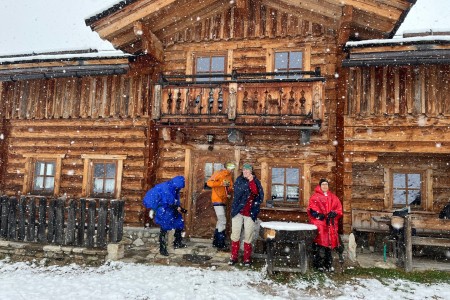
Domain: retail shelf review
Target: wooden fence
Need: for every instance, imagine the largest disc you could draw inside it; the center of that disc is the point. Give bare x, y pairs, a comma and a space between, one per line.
77, 222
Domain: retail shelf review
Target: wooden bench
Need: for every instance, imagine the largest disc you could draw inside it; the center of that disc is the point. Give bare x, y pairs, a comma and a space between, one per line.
430, 231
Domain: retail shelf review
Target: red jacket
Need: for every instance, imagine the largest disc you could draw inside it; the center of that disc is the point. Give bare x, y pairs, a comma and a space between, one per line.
327, 234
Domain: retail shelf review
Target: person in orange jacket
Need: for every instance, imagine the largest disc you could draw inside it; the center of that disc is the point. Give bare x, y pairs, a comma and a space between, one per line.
221, 183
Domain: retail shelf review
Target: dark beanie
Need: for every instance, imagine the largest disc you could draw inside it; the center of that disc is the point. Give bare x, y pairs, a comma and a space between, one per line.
322, 181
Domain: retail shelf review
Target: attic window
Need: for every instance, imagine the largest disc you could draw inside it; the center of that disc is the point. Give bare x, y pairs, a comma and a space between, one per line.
210, 64
288, 61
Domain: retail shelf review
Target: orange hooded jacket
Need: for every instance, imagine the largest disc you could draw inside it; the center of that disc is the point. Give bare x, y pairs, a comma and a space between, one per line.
219, 191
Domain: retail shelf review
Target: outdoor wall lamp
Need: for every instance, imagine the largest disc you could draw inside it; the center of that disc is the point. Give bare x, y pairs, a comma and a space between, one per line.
210, 140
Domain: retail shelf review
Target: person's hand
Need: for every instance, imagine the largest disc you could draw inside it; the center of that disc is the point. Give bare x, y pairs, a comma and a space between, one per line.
151, 213
332, 214
250, 177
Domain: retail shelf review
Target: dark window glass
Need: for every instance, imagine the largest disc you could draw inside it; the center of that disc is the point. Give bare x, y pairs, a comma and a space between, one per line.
44, 177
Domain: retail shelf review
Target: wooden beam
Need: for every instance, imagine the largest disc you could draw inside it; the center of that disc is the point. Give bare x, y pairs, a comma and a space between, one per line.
387, 11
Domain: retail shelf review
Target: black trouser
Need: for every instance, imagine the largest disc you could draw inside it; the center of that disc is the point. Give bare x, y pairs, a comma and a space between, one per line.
322, 257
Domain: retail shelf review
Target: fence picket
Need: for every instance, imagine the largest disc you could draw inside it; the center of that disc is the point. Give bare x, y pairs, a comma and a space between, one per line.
12, 225
101, 223
21, 218
81, 222
42, 215
51, 221
4, 217
31, 228
59, 222
113, 224
90, 224
70, 233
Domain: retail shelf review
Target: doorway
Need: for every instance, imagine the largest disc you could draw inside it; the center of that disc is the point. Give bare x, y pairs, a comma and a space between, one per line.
203, 217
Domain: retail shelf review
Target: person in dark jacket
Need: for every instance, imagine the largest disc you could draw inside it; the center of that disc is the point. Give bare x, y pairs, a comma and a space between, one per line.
164, 201
248, 195
324, 211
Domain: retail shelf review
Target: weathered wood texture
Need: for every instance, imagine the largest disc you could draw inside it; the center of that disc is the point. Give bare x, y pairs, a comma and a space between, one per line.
75, 137
88, 97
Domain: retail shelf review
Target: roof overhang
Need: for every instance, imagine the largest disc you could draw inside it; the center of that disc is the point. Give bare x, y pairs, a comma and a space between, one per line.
140, 26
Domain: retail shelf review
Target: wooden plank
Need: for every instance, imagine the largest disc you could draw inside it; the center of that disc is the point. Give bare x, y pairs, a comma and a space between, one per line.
51, 221
101, 223
427, 241
71, 222
90, 224
31, 228
59, 222
21, 218
81, 222
4, 217
42, 219
12, 221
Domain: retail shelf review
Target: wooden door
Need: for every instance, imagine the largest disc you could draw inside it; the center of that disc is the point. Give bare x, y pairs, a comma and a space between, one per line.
203, 217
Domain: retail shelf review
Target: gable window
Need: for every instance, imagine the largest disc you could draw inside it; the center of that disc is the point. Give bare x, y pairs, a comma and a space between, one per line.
406, 189
210, 64
42, 174
102, 175
288, 61
285, 185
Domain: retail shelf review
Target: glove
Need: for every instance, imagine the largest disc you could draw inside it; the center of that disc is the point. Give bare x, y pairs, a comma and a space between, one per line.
151, 213
332, 214
317, 215
183, 210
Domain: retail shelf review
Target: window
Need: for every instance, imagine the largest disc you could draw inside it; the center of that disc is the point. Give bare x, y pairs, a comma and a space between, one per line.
42, 174
210, 168
44, 177
210, 65
406, 189
288, 61
102, 175
285, 185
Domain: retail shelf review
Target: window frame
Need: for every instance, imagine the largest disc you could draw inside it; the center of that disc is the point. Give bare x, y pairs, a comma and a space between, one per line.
306, 57
88, 174
29, 173
210, 55
301, 185
426, 189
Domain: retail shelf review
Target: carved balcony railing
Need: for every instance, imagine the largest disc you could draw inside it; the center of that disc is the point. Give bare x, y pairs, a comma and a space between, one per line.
256, 98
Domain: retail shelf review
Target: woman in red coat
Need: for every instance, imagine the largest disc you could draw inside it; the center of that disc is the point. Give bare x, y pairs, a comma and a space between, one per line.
324, 211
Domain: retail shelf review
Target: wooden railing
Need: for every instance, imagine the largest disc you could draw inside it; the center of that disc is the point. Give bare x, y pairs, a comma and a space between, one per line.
78, 222
285, 101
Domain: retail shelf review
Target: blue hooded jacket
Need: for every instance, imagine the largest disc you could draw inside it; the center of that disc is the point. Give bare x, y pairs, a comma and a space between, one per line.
164, 199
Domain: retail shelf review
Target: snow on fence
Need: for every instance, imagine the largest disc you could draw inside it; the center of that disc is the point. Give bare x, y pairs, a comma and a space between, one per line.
62, 222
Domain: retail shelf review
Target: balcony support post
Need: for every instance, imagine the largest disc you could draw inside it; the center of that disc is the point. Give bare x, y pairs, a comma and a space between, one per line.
232, 103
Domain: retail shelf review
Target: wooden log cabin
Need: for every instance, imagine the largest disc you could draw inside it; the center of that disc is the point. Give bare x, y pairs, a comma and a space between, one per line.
396, 118
253, 81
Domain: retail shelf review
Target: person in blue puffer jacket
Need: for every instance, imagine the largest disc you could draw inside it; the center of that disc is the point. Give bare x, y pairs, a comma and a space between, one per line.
163, 200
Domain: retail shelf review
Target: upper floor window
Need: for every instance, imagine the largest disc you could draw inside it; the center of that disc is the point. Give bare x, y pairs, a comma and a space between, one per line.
210, 64
102, 175
285, 185
288, 61
42, 174
406, 189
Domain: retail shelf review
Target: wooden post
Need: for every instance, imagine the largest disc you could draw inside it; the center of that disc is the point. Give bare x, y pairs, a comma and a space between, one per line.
270, 254
51, 221
121, 212
81, 222
31, 207
41, 218
157, 100
70, 233
408, 244
232, 101
113, 222
21, 218
4, 217
303, 257
90, 224
101, 224
12, 218
59, 222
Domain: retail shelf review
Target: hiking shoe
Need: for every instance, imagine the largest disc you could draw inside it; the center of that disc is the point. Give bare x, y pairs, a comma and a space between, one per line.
232, 262
164, 252
179, 246
247, 264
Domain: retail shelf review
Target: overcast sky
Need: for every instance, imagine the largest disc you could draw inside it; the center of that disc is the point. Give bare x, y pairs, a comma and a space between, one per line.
38, 26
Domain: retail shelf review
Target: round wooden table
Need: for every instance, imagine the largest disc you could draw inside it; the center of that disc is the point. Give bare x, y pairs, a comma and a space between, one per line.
295, 237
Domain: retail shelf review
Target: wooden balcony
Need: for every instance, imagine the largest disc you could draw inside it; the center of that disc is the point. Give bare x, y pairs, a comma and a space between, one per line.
240, 99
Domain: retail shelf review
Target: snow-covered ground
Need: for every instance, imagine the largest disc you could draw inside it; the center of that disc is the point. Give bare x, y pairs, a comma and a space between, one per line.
118, 280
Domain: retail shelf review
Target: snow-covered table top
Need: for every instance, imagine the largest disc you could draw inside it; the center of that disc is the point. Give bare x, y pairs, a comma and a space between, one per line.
288, 226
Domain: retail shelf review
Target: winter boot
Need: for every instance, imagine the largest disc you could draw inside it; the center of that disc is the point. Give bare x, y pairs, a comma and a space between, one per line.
214, 243
234, 252
221, 245
163, 243
178, 242
247, 254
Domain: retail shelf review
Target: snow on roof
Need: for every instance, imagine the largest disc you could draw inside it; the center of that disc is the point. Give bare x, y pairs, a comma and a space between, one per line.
404, 40
72, 55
